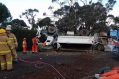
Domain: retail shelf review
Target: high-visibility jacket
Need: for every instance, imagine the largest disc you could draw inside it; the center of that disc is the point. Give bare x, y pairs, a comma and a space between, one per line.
5, 45
13, 39
24, 44
35, 41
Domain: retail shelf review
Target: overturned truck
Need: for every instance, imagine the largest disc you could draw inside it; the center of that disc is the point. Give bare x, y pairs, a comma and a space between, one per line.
56, 40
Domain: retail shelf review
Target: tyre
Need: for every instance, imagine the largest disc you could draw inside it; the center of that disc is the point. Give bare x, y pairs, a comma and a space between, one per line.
51, 29
100, 47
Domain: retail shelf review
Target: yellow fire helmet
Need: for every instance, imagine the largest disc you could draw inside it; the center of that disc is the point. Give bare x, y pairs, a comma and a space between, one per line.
2, 31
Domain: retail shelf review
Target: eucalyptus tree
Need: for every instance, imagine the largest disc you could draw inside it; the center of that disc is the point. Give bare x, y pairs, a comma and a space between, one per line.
44, 22
5, 14
115, 24
89, 15
30, 15
116, 20
19, 24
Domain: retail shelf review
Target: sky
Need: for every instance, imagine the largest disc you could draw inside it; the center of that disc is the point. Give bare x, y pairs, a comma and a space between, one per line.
16, 7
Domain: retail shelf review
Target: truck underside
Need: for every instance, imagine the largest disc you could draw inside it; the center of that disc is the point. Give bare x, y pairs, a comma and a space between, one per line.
56, 40
76, 39
70, 41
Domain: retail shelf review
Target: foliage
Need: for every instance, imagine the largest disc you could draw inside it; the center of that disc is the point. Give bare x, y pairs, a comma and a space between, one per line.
30, 16
115, 26
4, 13
113, 21
44, 22
116, 20
110, 4
18, 24
23, 33
89, 16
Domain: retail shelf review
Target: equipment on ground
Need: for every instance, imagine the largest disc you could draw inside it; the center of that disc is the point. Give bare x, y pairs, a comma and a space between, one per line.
108, 73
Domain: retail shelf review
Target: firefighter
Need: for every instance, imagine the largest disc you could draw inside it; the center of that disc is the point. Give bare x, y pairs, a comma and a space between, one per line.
34, 44
14, 43
5, 51
24, 46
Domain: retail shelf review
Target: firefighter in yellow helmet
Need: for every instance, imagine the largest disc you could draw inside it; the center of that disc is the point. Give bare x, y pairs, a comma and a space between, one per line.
5, 51
14, 43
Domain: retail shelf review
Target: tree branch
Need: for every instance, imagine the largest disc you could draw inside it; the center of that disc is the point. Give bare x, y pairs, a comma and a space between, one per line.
83, 2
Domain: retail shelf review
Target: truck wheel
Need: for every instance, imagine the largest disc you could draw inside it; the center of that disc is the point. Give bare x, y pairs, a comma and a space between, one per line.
100, 47
51, 29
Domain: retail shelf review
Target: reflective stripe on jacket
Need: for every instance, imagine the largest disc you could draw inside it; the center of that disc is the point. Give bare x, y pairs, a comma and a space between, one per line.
5, 52
5, 46
3, 42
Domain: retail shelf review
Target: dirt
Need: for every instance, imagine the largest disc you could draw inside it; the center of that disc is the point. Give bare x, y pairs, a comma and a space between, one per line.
69, 65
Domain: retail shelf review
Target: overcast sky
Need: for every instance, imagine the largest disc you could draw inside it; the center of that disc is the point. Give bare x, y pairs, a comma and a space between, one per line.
16, 7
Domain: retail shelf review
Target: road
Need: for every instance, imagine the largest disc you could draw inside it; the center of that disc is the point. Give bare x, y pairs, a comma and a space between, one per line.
70, 64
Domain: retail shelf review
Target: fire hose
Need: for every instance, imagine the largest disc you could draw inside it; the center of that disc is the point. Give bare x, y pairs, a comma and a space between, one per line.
36, 64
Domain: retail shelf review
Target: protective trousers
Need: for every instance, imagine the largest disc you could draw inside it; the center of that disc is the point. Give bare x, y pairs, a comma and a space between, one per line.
6, 61
24, 50
34, 48
14, 54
